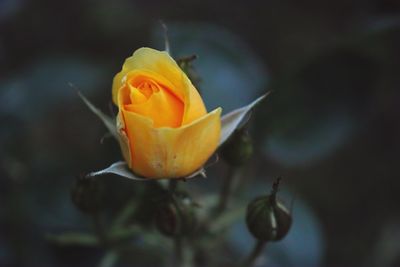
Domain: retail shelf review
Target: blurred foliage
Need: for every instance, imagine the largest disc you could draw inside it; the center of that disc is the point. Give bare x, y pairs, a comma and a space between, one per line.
331, 127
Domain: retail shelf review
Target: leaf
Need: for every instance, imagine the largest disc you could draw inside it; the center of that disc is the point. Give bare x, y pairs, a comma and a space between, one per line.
227, 219
232, 120
72, 238
121, 168
108, 122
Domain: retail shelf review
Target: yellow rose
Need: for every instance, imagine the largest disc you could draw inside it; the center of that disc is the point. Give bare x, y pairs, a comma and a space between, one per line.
163, 126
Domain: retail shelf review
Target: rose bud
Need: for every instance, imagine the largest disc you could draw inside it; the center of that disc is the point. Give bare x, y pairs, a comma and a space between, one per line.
163, 125
267, 218
176, 217
86, 194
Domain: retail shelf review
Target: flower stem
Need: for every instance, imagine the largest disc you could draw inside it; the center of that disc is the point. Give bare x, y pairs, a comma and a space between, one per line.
226, 189
178, 251
109, 259
99, 229
125, 214
172, 186
255, 253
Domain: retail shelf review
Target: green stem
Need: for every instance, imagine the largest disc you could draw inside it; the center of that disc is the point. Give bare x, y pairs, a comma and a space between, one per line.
99, 229
125, 214
255, 253
125, 233
226, 190
178, 251
172, 186
80, 239
227, 219
109, 259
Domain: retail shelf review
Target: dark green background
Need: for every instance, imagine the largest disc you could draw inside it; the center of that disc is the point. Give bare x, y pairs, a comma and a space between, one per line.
331, 127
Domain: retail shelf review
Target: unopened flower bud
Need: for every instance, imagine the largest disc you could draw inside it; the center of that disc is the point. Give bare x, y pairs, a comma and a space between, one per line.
239, 148
267, 218
85, 194
176, 217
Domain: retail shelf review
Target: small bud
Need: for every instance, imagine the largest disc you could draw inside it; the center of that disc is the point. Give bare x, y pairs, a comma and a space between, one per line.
267, 218
167, 220
176, 216
239, 148
85, 194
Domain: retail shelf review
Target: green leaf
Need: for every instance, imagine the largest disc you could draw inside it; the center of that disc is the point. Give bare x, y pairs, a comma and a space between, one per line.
83, 239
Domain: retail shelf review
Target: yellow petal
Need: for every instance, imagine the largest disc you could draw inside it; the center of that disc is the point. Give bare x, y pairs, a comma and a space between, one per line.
161, 64
194, 106
123, 140
170, 152
162, 107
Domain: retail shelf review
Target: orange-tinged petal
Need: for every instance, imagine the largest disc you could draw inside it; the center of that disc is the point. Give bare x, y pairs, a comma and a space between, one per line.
162, 107
161, 64
170, 152
139, 76
194, 106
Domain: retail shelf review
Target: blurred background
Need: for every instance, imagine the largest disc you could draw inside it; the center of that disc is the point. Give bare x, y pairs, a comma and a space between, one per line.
330, 128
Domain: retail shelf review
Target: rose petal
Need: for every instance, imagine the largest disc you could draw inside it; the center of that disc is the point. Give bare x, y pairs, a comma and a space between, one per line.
162, 64
170, 152
230, 121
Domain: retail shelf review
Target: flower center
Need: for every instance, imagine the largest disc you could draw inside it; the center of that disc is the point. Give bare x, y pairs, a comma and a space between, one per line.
143, 92
151, 99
